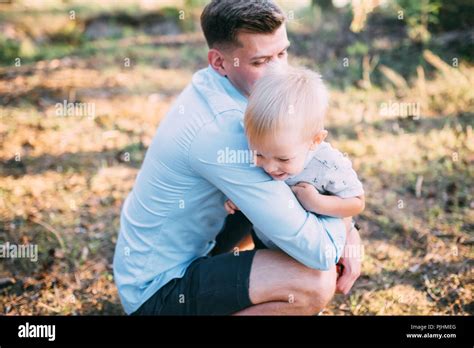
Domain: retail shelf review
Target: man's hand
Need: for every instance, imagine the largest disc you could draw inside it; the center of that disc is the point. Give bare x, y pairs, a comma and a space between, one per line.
307, 195
351, 263
230, 207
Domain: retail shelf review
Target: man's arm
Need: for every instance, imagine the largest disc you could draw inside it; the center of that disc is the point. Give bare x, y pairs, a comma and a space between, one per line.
270, 205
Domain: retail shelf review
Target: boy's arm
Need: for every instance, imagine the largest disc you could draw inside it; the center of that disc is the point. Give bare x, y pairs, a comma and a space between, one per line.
335, 206
334, 175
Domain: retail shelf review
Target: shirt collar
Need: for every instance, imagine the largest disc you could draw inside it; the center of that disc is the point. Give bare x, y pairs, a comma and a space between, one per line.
229, 87
308, 159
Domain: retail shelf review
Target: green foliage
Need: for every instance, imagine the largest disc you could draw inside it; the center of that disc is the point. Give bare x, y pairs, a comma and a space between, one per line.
358, 48
455, 15
419, 15
69, 34
9, 50
195, 4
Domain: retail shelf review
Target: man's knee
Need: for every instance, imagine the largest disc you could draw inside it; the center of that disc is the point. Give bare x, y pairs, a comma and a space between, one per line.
317, 288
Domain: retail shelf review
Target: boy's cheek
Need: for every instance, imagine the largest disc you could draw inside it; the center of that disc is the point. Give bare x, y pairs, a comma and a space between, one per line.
294, 169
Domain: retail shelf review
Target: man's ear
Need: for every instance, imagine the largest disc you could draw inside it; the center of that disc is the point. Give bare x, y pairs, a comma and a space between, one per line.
318, 138
216, 60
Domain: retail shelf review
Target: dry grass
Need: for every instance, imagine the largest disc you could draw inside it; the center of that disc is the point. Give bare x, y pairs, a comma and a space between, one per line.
63, 180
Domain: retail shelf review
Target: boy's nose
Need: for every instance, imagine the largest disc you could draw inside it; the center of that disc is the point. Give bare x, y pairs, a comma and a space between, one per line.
270, 167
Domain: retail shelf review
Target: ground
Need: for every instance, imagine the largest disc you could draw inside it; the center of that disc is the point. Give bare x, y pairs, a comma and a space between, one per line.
64, 177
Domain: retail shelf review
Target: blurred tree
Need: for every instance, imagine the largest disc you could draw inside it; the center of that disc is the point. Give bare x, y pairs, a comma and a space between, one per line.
195, 4
418, 16
325, 5
455, 15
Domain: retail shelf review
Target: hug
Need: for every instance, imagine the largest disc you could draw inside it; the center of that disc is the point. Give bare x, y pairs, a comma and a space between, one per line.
189, 209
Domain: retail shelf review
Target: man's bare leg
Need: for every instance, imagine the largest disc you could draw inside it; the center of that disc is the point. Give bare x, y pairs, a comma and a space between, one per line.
270, 308
281, 285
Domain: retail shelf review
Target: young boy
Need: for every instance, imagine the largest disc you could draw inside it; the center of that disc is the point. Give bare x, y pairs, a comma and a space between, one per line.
284, 124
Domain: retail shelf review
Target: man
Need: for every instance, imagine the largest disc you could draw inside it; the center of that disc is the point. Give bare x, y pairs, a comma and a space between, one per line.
170, 220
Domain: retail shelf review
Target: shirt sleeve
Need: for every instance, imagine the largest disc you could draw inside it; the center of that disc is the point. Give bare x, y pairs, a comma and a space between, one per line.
340, 179
270, 205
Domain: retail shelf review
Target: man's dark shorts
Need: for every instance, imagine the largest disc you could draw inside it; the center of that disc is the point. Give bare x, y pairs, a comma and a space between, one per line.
212, 285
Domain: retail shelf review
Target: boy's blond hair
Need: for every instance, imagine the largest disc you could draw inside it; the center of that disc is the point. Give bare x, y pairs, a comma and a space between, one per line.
286, 98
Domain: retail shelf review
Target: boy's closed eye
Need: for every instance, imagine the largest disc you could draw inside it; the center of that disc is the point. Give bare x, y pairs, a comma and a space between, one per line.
279, 159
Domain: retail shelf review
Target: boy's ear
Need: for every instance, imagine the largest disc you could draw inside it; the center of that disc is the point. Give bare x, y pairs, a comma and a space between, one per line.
216, 60
318, 138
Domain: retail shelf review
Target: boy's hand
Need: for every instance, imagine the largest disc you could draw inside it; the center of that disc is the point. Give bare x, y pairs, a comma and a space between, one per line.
307, 195
230, 207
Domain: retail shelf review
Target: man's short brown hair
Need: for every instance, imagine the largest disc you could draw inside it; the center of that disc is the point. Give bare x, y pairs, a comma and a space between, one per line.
222, 20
